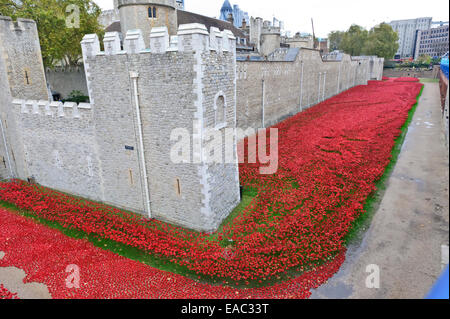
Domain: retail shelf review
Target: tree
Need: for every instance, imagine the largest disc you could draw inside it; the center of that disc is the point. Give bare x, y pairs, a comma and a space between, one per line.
382, 41
354, 40
335, 38
425, 59
61, 25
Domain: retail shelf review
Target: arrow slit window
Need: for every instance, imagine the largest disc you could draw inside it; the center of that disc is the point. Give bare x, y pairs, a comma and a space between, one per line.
152, 12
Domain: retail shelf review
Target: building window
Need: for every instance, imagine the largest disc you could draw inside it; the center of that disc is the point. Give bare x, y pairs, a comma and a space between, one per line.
178, 186
220, 107
152, 12
27, 77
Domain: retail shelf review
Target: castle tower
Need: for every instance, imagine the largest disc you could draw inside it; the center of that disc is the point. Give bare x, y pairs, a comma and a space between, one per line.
21, 52
270, 39
148, 14
21, 77
183, 99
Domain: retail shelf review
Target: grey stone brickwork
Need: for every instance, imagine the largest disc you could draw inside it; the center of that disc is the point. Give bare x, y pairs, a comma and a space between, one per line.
22, 77
218, 80
67, 79
21, 52
59, 146
5, 102
270, 40
269, 91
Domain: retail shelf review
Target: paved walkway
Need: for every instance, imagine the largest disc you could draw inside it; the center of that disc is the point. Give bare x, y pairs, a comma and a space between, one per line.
409, 234
13, 279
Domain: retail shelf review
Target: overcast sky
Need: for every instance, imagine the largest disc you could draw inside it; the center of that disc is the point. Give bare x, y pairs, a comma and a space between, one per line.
328, 15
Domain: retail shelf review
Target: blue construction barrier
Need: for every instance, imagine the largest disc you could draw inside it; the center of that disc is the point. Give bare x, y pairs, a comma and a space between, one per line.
440, 289
444, 66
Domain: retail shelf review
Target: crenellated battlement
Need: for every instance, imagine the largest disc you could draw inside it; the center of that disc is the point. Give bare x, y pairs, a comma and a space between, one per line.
190, 38
53, 109
18, 25
166, 3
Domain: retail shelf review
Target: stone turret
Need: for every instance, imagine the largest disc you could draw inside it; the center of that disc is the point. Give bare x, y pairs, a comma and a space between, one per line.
148, 14
21, 52
270, 38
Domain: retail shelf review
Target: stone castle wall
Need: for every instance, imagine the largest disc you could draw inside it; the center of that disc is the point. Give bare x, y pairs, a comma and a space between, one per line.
21, 76
59, 146
269, 91
5, 102
66, 80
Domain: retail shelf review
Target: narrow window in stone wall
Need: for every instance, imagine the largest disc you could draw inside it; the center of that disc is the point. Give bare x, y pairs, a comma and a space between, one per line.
152, 12
220, 107
178, 186
130, 172
27, 78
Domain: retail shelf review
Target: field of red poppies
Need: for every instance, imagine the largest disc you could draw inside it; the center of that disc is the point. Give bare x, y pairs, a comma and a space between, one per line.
6, 294
44, 253
330, 157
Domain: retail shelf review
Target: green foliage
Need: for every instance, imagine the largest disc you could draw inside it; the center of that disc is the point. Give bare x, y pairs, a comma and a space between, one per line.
428, 60
77, 97
425, 59
415, 65
354, 40
436, 61
381, 41
335, 38
59, 34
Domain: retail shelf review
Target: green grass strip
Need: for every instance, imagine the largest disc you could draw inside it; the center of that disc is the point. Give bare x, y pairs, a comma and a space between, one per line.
425, 80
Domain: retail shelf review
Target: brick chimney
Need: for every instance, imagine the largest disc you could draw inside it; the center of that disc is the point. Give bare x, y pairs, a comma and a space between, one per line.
230, 18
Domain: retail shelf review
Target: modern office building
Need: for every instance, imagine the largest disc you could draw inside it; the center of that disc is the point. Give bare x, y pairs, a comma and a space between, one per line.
235, 12
433, 42
180, 4
407, 32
